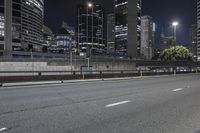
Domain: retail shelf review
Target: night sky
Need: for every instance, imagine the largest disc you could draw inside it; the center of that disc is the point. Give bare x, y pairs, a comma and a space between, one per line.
162, 11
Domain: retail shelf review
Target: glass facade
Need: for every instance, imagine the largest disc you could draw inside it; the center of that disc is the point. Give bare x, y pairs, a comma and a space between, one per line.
16, 24
90, 28
2, 26
23, 19
121, 25
63, 41
198, 30
32, 24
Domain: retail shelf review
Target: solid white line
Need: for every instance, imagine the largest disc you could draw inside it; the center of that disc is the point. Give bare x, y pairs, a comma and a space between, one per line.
3, 129
119, 103
179, 89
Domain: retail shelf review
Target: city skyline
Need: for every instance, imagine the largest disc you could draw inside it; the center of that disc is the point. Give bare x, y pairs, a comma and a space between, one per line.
162, 15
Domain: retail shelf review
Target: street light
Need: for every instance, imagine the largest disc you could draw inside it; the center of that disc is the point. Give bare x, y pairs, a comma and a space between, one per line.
89, 6
175, 24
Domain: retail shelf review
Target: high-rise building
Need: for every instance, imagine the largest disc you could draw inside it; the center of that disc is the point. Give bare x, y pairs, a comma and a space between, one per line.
147, 37
48, 38
90, 27
111, 31
127, 27
154, 39
21, 23
198, 30
193, 40
166, 41
32, 24
71, 31
63, 41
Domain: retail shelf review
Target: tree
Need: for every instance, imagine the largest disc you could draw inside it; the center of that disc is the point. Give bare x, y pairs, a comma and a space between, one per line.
176, 53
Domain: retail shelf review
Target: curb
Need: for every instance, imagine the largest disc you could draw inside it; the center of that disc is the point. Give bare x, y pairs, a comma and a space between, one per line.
79, 81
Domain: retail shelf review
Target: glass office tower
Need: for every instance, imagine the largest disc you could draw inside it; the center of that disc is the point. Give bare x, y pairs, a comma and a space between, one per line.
21, 24
90, 28
127, 27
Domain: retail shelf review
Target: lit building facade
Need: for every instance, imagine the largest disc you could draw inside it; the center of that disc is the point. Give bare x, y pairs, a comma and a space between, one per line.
127, 27
48, 38
32, 24
198, 30
21, 23
166, 41
147, 35
90, 28
193, 40
111, 31
71, 31
63, 41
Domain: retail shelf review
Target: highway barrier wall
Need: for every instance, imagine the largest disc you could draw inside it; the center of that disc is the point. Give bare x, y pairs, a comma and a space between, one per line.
64, 65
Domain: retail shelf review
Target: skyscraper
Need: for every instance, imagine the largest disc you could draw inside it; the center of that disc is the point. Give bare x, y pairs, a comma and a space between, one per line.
90, 27
198, 30
147, 37
127, 27
21, 23
193, 40
48, 38
166, 41
71, 31
111, 31
32, 15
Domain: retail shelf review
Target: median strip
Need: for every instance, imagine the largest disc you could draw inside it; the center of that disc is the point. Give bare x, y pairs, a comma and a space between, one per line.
119, 103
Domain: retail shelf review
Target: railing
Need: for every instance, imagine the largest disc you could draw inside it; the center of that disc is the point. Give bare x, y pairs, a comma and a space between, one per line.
23, 76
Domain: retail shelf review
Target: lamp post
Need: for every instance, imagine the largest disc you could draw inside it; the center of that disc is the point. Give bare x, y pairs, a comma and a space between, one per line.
175, 24
89, 6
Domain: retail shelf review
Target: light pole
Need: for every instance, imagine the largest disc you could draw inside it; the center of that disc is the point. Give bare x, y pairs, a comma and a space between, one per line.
89, 6
175, 24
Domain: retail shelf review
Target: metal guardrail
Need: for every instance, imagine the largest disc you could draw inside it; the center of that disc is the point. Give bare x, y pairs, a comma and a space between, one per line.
40, 73
27, 76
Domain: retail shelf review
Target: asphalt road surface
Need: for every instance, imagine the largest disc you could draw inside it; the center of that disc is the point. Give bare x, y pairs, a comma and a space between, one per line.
145, 105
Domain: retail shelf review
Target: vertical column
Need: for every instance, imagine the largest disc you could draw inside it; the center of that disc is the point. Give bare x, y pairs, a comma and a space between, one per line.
132, 19
8, 28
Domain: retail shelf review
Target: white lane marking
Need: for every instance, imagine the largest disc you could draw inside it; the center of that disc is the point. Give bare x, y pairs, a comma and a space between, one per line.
179, 89
119, 103
3, 129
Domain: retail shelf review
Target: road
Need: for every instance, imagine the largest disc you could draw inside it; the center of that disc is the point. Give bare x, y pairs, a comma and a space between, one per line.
145, 105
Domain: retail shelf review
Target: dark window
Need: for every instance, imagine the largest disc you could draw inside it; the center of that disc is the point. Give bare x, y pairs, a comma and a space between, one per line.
16, 14
1, 38
16, 6
1, 9
1, 2
17, 1
1, 47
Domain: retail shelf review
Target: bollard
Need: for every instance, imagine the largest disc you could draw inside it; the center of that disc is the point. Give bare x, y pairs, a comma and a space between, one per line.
74, 73
196, 70
83, 76
101, 75
40, 74
141, 73
174, 72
